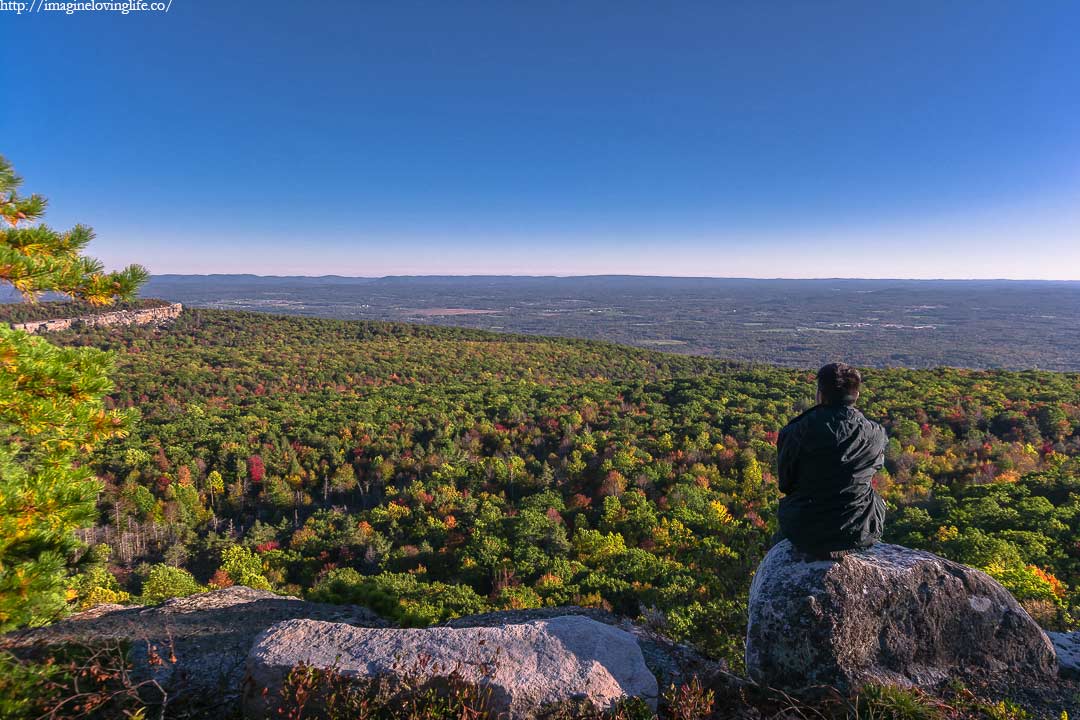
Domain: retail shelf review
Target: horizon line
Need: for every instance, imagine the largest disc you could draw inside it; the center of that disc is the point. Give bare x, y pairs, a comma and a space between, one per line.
549, 276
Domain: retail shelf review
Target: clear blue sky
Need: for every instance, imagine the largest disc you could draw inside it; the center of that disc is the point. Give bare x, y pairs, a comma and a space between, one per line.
873, 139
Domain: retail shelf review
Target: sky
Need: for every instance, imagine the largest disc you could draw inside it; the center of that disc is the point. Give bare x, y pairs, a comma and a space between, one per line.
729, 139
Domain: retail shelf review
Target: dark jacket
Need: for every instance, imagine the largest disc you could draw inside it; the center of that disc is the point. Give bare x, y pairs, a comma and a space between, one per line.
827, 457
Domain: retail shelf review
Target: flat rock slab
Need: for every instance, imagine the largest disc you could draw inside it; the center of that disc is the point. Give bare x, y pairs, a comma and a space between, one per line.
524, 667
888, 615
209, 634
1067, 645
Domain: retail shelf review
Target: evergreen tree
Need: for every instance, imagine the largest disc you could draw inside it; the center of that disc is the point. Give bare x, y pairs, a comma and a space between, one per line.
51, 409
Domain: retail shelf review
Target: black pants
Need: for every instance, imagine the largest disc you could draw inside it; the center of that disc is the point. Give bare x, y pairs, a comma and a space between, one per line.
819, 554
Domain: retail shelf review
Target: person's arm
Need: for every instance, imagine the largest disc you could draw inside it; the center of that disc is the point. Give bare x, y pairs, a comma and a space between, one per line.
786, 460
881, 441
878, 437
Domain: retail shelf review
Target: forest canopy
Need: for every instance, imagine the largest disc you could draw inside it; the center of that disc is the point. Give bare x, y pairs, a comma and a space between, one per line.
434, 472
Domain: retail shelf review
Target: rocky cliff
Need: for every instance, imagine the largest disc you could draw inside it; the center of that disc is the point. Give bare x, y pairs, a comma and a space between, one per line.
147, 316
235, 647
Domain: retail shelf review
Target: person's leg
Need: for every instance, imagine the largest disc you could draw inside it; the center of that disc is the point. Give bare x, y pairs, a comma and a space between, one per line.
812, 555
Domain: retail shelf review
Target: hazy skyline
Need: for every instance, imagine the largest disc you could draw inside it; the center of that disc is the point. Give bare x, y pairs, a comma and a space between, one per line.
838, 139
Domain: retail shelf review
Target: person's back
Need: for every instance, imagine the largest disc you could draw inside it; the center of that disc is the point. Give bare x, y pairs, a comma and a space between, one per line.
827, 459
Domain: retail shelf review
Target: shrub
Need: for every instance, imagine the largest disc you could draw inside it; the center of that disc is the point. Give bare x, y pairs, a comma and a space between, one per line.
689, 702
165, 581
398, 596
96, 585
885, 702
310, 692
75, 681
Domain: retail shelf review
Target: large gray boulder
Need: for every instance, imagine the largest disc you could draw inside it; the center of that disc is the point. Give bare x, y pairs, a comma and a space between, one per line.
887, 615
524, 667
202, 640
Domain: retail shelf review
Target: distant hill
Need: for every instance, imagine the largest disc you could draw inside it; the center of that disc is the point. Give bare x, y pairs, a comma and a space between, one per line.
797, 323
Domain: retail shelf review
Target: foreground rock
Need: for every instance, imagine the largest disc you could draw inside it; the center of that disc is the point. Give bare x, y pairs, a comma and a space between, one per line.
888, 615
1067, 645
524, 667
209, 636
671, 663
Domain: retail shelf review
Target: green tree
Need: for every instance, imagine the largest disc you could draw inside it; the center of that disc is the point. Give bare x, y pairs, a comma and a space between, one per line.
344, 479
244, 567
51, 409
215, 484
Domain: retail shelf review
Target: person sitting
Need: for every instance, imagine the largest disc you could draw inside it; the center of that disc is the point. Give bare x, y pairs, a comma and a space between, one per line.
827, 458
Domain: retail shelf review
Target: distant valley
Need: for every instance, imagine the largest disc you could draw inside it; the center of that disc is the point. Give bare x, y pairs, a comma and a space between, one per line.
797, 323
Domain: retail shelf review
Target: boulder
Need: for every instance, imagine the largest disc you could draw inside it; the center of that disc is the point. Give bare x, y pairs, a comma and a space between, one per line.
887, 615
523, 668
201, 640
672, 663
